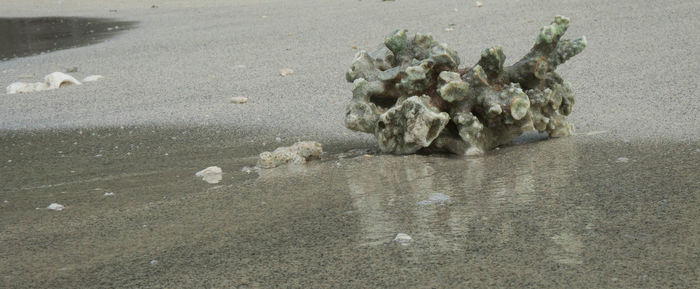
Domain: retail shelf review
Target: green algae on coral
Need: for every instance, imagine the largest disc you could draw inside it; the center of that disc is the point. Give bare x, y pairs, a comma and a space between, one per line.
411, 94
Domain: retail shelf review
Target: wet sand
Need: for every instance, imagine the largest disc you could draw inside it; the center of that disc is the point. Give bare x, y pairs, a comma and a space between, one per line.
33, 36
613, 206
571, 212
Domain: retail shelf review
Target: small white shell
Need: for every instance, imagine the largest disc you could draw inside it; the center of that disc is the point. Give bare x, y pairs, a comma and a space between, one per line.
60, 79
56, 207
24, 87
93, 78
403, 239
286, 71
239, 99
210, 175
52, 81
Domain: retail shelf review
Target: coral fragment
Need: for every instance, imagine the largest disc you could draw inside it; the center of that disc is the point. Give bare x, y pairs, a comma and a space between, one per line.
411, 94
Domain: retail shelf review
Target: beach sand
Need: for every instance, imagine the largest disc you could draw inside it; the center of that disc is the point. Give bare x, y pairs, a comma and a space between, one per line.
613, 206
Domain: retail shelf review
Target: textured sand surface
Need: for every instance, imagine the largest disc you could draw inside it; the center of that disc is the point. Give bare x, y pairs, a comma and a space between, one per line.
183, 63
614, 206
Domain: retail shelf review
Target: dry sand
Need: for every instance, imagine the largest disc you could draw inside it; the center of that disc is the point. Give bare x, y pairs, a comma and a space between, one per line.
181, 66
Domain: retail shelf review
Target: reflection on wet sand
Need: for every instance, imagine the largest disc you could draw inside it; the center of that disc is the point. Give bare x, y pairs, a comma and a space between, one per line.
529, 215
387, 190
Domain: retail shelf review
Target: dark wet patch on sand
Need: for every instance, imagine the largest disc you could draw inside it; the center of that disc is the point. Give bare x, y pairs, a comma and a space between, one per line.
526, 215
30, 36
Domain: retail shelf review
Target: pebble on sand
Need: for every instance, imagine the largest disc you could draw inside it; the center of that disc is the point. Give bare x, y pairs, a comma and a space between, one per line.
210, 175
286, 71
403, 239
56, 207
239, 99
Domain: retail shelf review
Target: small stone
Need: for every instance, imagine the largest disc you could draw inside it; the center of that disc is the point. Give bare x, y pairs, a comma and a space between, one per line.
403, 239
622, 160
56, 207
93, 78
479, 4
239, 99
286, 71
211, 174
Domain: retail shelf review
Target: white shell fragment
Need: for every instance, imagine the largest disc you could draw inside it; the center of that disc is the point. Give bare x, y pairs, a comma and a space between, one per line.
239, 99
52, 81
403, 239
286, 71
92, 78
210, 175
23, 87
56, 207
